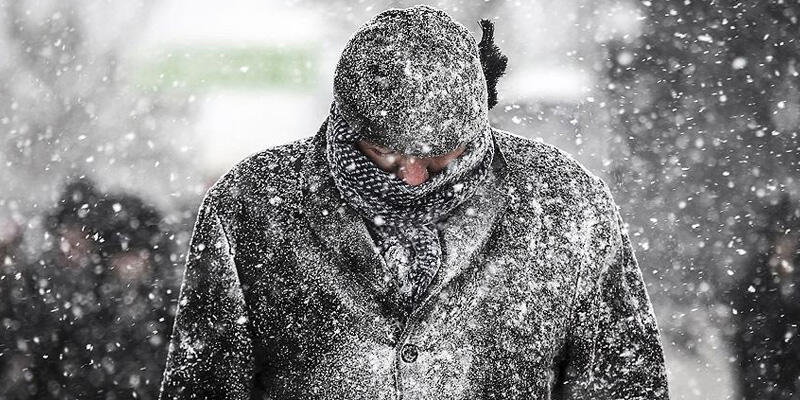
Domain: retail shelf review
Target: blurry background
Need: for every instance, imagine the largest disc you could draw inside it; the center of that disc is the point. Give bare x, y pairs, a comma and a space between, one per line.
116, 116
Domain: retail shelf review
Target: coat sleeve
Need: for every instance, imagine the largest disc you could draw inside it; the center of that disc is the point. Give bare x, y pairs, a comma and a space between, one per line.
210, 351
613, 350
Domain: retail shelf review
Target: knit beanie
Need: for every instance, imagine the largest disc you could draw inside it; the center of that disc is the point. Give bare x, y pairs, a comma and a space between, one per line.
411, 80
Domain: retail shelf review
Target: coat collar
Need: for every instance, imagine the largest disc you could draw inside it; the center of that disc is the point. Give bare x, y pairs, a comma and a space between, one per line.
343, 232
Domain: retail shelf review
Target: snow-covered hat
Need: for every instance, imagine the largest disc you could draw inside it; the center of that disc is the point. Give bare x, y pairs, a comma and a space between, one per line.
411, 80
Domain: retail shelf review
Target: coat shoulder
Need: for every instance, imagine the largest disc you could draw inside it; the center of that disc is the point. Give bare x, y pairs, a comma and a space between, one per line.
554, 173
554, 195
275, 172
269, 182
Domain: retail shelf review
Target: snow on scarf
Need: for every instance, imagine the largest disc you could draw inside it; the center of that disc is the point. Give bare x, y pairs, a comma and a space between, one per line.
404, 216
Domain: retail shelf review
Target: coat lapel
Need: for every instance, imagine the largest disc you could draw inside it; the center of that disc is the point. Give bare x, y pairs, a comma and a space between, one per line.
343, 232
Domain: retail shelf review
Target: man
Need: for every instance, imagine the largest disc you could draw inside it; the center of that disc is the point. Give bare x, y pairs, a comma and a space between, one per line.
409, 250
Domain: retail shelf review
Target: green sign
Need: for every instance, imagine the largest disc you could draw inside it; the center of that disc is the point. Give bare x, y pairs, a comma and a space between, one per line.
247, 67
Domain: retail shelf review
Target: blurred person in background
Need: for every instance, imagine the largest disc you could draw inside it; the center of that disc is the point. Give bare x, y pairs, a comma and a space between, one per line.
767, 311
409, 250
94, 312
12, 300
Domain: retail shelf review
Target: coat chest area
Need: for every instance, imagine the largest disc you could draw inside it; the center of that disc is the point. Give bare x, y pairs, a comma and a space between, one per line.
489, 335
322, 327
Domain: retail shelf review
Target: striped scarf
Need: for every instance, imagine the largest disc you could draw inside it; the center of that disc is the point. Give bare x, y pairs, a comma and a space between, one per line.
404, 217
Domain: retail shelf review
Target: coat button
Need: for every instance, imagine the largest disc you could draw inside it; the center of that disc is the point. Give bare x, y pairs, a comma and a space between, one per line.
409, 353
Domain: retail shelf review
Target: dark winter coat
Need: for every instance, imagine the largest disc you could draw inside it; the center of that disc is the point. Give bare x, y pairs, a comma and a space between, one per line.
539, 295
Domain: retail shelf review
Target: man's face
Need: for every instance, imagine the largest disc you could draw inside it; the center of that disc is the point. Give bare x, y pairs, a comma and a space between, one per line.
75, 245
412, 170
131, 265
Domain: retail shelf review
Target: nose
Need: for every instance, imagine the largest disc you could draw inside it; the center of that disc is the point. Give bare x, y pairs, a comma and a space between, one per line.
412, 171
